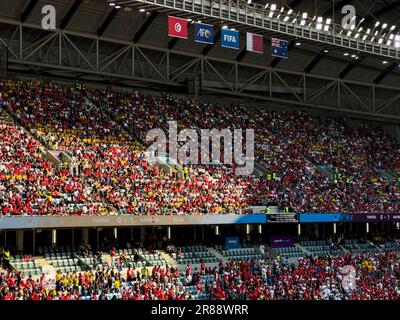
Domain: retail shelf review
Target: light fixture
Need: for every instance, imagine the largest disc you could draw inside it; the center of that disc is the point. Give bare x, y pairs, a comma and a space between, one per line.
389, 42
303, 19
319, 23
368, 31
397, 41
189, 20
142, 10
326, 51
298, 44
225, 27
249, 1
233, 29
365, 37
290, 12
377, 24
118, 7
273, 7
349, 33
112, 4
353, 56
384, 26
345, 54
384, 62
392, 28
356, 35
286, 19
380, 40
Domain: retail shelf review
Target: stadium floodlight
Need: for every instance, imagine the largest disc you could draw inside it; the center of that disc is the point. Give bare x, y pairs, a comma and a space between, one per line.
286, 19
298, 44
384, 26
118, 7
290, 12
225, 27
249, 1
282, 9
294, 20
365, 37
368, 31
380, 40
353, 56
327, 24
377, 24
319, 23
356, 35
349, 33
372, 39
389, 42
384, 62
397, 41
360, 29
345, 54
112, 4
391, 36
266, 6
303, 19
142, 10
273, 7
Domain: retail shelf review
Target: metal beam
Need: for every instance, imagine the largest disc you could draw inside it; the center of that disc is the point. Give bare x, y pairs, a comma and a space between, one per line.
314, 61
208, 47
28, 10
385, 72
350, 66
144, 26
172, 43
382, 11
70, 13
107, 21
276, 60
336, 7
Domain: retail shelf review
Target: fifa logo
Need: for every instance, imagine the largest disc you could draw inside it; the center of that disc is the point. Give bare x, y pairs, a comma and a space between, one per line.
229, 38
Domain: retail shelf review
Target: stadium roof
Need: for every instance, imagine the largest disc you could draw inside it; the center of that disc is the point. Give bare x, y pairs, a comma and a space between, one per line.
96, 18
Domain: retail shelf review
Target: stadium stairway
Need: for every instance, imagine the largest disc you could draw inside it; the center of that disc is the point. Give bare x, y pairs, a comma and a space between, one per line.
47, 268
167, 258
217, 254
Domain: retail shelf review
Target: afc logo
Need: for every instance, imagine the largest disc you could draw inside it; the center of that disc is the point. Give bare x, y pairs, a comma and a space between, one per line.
204, 33
229, 38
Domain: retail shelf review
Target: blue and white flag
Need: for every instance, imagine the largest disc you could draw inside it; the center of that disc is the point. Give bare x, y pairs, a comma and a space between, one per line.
230, 38
280, 48
204, 33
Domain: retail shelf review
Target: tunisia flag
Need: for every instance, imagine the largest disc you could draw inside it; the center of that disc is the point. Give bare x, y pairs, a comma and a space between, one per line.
177, 27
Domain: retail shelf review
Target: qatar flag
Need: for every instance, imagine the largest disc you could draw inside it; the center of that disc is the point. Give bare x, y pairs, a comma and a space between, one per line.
177, 27
255, 42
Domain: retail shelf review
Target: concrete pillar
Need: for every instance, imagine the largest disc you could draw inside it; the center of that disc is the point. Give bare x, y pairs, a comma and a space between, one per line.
34, 242
20, 240
85, 235
142, 235
54, 237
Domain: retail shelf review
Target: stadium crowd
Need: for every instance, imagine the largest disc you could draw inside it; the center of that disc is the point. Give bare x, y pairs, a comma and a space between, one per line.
376, 277
104, 133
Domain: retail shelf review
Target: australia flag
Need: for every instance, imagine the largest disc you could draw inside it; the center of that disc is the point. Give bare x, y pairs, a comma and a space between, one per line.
280, 48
